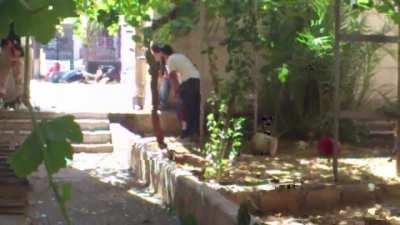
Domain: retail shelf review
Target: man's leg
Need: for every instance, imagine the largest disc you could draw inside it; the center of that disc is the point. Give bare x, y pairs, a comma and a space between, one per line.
191, 103
194, 105
164, 93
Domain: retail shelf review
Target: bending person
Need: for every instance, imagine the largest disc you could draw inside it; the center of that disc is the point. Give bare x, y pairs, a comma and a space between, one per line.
188, 92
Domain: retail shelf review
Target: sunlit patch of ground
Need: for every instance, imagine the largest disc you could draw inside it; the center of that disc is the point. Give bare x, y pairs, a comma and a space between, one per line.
305, 166
356, 165
376, 214
256, 169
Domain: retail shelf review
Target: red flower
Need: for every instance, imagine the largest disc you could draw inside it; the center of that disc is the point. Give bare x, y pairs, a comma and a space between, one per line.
326, 147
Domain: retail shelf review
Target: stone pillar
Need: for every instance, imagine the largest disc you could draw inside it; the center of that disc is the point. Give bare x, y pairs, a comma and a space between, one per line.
128, 62
36, 60
140, 78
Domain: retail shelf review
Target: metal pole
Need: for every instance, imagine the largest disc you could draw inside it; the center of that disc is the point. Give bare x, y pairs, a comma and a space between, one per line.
397, 138
27, 75
204, 66
255, 106
337, 86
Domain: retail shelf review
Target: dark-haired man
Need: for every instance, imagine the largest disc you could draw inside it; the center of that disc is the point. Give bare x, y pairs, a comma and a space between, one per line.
189, 89
166, 83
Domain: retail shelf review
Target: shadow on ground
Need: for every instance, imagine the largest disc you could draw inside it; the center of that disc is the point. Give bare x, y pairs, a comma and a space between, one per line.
100, 197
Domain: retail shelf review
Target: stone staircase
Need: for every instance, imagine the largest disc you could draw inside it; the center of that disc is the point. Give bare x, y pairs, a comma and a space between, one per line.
381, 133
13, 189
16, 126
379, 128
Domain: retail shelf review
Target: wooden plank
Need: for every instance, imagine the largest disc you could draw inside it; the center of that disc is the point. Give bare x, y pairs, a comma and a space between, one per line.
14, 181
12, 210
346, 114
10, 190
13, 190
376, 38
13, 202
14, 125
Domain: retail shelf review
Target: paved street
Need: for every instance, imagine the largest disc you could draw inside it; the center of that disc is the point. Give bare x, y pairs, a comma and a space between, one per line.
78, 97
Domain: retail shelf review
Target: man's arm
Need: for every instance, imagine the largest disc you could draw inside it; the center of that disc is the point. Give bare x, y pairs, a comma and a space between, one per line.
173, 77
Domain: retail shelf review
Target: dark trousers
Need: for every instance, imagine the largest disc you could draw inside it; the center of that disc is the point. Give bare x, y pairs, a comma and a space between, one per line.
164, 92
189, 94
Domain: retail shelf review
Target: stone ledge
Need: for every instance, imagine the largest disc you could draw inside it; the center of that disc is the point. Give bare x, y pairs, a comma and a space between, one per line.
309, 198
141, 123
179, 189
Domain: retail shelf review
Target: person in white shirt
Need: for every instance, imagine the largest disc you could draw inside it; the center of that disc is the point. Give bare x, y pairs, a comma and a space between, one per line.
188, 92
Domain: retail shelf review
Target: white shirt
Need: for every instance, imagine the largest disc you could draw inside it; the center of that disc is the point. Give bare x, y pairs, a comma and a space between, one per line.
182, 65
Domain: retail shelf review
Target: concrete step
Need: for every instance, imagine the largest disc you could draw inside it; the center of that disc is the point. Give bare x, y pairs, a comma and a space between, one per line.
102, 147
13, 219
141, 122
380, 125
24, 124
6, 114
89, 137
96, 137
93, 148
382, 138
381, 133
93, 124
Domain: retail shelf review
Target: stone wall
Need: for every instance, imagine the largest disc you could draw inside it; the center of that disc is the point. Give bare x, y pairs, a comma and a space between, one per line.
178, 188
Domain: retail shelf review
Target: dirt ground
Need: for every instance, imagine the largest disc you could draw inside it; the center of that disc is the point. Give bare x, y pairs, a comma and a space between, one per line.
374, 214
101, 196
304, 165
103, 192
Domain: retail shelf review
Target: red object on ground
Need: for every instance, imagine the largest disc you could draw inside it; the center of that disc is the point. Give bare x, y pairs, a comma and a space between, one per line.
326, 147
53, 70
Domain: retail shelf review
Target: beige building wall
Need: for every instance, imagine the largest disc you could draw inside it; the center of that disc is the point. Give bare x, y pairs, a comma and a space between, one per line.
385, 80
201, 36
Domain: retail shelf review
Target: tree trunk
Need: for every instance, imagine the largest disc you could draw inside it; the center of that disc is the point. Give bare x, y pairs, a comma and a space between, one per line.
27, 66
337, 86
154, 71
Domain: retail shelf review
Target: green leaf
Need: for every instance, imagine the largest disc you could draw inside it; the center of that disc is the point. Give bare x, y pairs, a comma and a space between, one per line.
43, 33
64, 8
283, 73
63, 128
137, 38
188, 220
28, 157
5, 18
36, 18
56, 155
66, 192
56, 133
